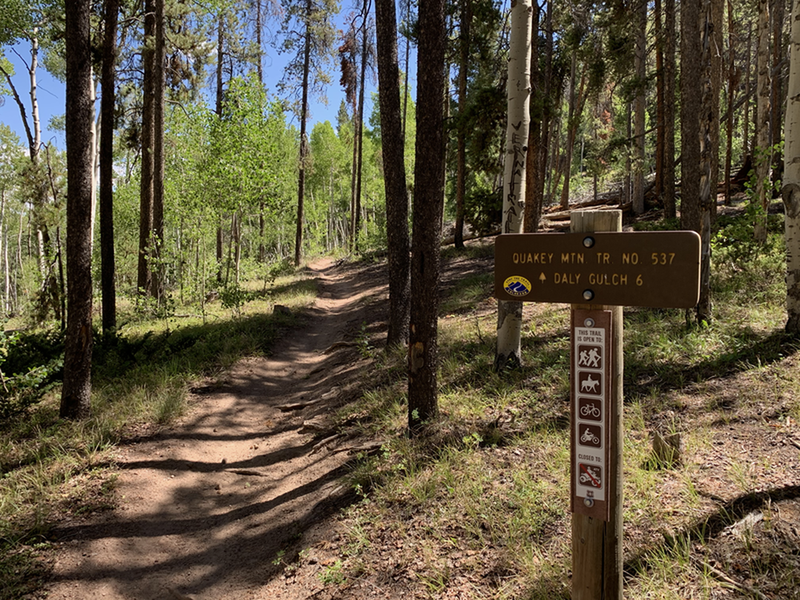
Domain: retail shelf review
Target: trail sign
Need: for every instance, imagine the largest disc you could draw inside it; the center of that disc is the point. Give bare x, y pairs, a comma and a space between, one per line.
659, 269
598, 272
591, 422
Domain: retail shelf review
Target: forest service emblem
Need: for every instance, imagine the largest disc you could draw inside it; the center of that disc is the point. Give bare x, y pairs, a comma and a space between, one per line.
517, 286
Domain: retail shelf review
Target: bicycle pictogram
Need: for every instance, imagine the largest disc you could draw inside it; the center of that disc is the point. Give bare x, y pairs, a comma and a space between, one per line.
590, 410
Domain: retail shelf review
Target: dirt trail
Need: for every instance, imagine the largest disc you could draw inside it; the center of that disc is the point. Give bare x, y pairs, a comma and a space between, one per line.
207, 508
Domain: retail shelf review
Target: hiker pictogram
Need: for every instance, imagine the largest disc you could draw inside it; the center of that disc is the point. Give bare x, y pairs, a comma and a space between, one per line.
589, 357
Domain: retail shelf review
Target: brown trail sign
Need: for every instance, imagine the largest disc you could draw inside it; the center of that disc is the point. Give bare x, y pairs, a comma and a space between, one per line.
598, 269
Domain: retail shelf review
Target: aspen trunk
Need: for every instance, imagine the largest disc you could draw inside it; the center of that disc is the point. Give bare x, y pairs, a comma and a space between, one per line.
791, 180
509, 314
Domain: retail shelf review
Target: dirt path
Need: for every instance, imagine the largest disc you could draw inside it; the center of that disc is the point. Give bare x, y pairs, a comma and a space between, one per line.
208, 508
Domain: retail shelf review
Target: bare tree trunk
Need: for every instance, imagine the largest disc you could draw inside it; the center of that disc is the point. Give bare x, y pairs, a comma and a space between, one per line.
143, 282
218, 109
77, 387
397, 243
157, 270
708, 186
748, 82
715, 52
533, 197
776, 89
301, 177
427, 217
461, 150
659, 33
669, 109
763, 154
733, 84
640, 58
107, 260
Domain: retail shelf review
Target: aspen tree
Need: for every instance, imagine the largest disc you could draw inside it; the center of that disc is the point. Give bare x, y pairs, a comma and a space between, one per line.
509, 314
791, 179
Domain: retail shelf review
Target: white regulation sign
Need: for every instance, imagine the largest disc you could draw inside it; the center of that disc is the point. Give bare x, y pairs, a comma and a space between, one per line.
590, 373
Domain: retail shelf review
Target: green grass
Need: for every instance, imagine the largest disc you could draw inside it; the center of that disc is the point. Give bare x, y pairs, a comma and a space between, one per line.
490, 477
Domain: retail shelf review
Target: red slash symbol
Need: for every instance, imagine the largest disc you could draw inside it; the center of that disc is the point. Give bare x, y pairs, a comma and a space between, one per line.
590, 474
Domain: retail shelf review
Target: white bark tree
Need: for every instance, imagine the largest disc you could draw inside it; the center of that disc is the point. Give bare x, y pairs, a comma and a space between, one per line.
509, 314
791, 179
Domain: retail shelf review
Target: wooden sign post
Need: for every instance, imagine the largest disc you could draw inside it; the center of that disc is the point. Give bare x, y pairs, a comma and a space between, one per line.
597, 269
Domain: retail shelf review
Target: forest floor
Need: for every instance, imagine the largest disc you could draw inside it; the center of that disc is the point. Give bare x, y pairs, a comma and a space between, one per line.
206, 507
242, 497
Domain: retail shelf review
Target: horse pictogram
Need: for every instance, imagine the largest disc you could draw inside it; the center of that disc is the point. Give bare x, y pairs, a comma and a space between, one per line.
589, 384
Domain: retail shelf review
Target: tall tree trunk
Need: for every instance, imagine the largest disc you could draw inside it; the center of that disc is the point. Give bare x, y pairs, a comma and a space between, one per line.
301, 177
763, 154
157, 235
776, 89
461, 150
360, 128
669, 109
76, 391
717, 44
427, 216
394, 173
220, 249
143, 282
107, 101
748, 82
733, 84
640, 58
509, 314
691, 105
565, 167
709, 123
533, 198
791, 180
659, 34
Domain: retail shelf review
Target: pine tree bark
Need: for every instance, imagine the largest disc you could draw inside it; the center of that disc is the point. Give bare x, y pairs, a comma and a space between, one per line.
427, 216
394, 173
156, 265
301, 176
533, 197
691, 71
776, 89
640, 57
791, 180
77, 387
107, 260
669, 109
143, 282
461, 149
763, 149
509, 314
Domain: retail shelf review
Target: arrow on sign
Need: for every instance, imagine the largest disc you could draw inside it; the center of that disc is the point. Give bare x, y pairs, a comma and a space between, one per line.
542, 277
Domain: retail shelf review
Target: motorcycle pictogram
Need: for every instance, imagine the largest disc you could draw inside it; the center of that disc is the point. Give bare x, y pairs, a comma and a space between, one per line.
589, 438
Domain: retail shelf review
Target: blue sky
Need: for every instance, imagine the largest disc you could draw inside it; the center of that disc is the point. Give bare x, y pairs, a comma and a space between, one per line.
51, 96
